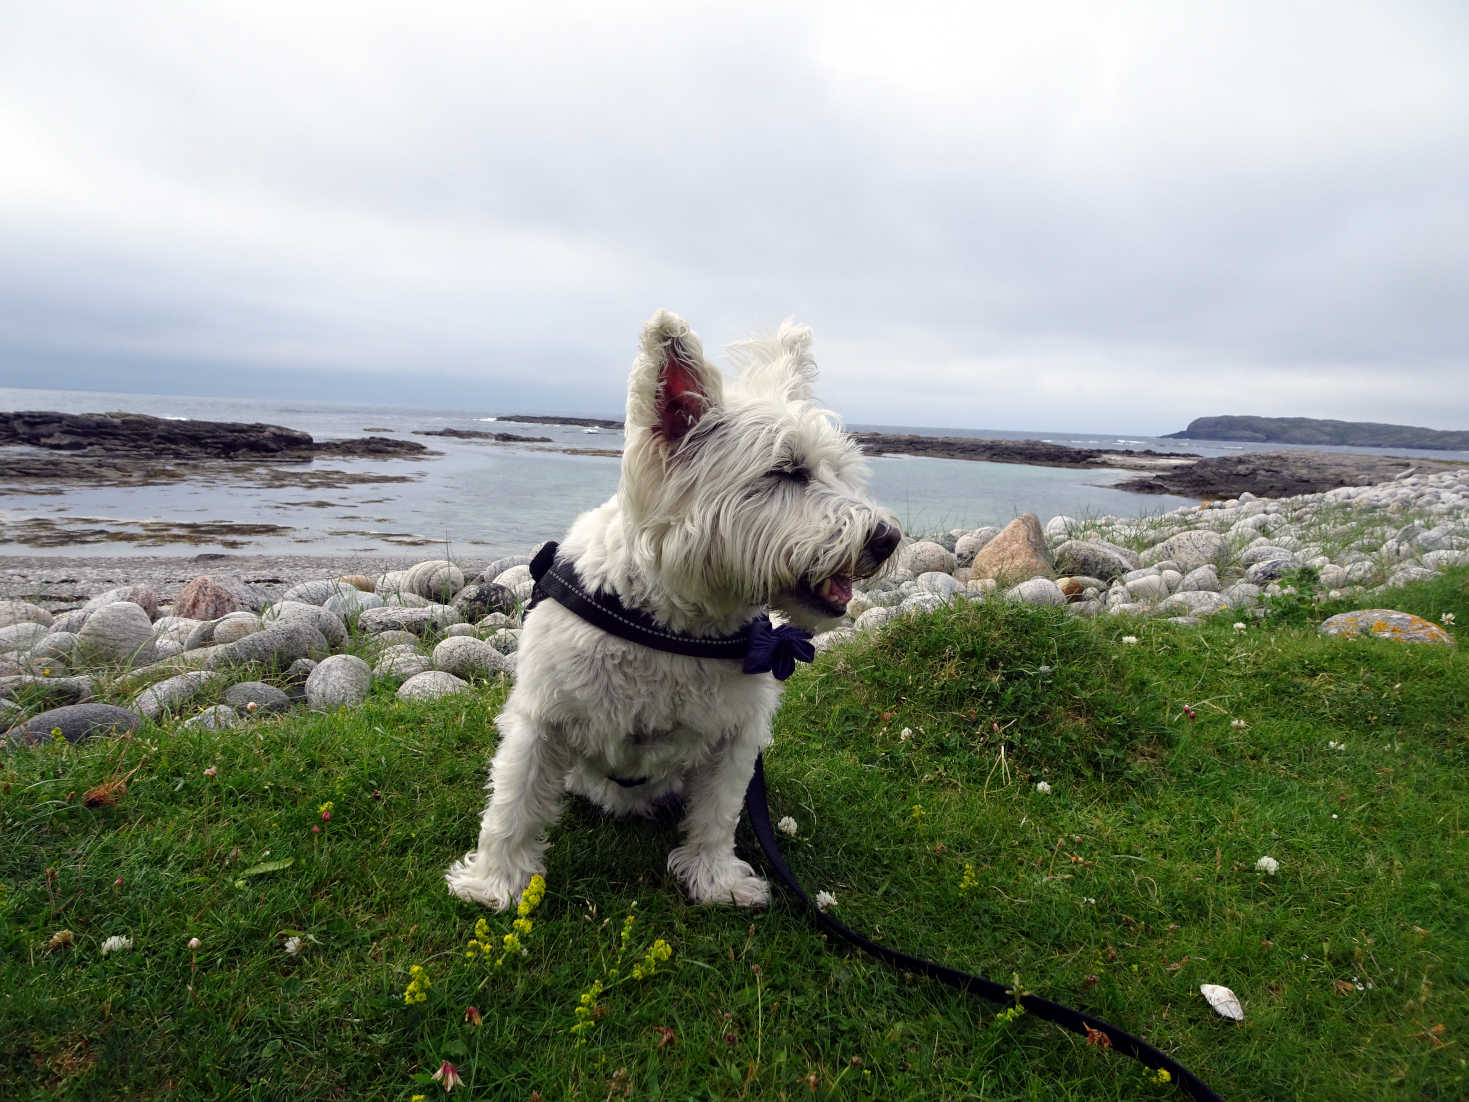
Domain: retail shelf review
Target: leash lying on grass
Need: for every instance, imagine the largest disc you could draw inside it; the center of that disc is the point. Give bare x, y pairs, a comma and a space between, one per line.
757, 806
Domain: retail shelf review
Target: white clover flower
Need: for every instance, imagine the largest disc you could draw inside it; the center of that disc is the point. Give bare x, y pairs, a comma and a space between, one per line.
1446, 618
1238, 627
292, 946
825, 900
1044, 669
1267, 865
905, 734
787, 825
115, 943
1129, 639
1238, 724
1043, 788
194, 943
1333, 745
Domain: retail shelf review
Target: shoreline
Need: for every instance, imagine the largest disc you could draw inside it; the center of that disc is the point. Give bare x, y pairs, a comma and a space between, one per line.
62, 581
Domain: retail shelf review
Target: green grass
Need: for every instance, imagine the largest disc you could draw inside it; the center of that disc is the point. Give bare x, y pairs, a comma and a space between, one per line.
1121, 891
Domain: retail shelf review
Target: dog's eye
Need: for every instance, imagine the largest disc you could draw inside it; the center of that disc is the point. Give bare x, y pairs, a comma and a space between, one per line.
789, 474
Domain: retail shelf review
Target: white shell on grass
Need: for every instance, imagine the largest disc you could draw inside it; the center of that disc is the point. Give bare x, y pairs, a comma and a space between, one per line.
1224, 1001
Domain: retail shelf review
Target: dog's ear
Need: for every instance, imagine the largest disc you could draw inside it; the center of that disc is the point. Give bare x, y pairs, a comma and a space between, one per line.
671, 386
795, 343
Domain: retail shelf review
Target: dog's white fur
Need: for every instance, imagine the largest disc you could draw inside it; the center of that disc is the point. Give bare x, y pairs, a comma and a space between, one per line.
736, 496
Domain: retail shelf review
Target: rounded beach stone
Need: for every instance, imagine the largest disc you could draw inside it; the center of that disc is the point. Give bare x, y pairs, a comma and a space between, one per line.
1149, 587
505, 640
21, 637
1037, 591
50, 690
874, 618
313, 592
1095, 559
208, 598
357, 581
352, 602
461, 629
59, 644
513, 576
1194, 603
480, 598
1204, 577
936, 581
19, 612
969, 544
69, 621
176, 629
1189, 550
278, 645
266, 698
140, 595
437, 580
924, 556
170, 694
117, 634
495, 620
1263, 553
338, 682
76, 722
234, 627
1059, 527
1385, 623
416, 620
499, 566
467, 657
1019, 551
1268, 570
328, 623
167, 648
299, 670
388, 584
431, 686
217, 717
386, 640
401, 663
404, 599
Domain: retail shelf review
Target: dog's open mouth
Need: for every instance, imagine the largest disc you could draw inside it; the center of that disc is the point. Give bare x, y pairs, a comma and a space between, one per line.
833, 593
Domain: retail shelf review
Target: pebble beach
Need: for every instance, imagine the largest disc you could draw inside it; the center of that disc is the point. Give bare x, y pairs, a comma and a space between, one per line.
93, 645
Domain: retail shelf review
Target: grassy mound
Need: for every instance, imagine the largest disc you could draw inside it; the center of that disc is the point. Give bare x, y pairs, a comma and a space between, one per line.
910, 765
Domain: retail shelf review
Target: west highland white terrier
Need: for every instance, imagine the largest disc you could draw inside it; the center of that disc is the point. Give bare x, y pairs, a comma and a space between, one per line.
737, 495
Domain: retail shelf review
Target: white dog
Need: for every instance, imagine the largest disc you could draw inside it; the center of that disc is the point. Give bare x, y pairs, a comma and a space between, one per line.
736, 496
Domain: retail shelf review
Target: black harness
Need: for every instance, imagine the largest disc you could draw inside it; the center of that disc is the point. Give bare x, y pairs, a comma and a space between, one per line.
767, 649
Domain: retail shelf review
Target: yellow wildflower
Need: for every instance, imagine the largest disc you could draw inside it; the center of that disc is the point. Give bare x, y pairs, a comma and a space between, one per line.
418, 985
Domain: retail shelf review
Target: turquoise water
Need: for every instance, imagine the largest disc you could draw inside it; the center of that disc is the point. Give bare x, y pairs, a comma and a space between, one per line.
492, 499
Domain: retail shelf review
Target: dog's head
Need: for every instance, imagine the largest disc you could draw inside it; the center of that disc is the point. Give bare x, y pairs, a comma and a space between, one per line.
740, 492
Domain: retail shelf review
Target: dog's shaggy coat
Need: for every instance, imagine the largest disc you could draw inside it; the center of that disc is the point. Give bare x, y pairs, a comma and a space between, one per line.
736, 496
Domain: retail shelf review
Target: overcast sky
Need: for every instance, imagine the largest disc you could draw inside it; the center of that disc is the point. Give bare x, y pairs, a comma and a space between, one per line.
1090, 216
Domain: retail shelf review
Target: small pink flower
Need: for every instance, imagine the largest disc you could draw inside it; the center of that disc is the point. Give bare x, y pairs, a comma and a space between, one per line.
326, 816
117, 883
472, 1016
449, 1075
315, 829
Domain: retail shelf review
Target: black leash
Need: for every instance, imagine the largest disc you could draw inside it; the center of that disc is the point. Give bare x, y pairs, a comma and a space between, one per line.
757, 806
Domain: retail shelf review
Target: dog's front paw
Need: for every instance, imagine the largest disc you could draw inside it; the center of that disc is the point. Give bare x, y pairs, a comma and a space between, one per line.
718, 878
494, 888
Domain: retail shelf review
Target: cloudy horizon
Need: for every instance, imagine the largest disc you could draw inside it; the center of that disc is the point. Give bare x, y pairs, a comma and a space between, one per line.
1063, 217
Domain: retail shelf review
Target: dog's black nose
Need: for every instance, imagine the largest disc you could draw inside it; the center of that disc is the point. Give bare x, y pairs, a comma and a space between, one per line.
883, 542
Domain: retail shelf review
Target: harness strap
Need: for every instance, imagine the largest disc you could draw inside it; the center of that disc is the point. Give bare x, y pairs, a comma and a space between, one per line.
757, 807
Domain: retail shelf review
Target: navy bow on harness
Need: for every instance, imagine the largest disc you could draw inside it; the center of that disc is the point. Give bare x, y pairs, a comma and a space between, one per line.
763, 647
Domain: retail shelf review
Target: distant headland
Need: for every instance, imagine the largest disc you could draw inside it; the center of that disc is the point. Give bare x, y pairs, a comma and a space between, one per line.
1310, 430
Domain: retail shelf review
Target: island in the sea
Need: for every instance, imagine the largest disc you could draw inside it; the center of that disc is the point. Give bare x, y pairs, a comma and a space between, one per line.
1311, 430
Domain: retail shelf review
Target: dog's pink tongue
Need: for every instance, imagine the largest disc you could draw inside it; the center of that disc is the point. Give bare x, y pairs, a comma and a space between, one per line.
837, 590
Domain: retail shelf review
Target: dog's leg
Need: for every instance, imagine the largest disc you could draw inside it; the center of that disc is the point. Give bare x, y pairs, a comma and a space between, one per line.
526, 784
706, 862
